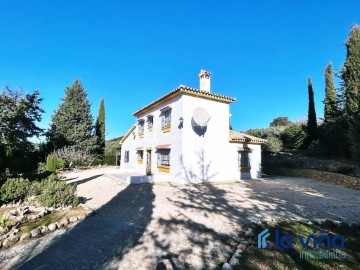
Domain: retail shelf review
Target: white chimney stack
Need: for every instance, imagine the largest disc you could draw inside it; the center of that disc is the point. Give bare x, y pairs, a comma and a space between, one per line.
204, 80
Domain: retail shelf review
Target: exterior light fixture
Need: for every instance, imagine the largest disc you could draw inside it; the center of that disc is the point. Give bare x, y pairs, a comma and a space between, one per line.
181, 120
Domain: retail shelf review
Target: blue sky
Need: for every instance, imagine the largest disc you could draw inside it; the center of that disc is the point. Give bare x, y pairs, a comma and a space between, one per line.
132, 52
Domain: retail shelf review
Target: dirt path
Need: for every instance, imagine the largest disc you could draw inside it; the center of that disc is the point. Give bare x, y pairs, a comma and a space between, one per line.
168, 226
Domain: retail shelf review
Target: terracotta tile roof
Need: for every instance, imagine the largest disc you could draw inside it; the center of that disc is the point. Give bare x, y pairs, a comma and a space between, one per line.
139, 148
163, 146
186, 90
235, 136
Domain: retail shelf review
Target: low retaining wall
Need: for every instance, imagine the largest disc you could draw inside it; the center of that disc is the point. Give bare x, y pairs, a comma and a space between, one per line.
327, 177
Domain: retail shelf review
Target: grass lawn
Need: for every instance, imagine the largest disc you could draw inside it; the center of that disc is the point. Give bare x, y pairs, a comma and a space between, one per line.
279, 258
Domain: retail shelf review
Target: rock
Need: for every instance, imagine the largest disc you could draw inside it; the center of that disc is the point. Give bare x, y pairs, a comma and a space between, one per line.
13, 239
238, 253
0, 244
226, 266
6, 243
40, 215
59, 225
21, 219
64, 222
15, 231
31, 199
234, 261
3, 230
25, 236
35, 232
241, 246
32, 217
22, 210
89, 213
13, 212
73, 219
51, 209
32, 208
249, 232
52, 227
228, 250
80, 217
43, 229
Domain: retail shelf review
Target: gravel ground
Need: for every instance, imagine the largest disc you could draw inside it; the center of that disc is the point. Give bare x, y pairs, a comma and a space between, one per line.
170, 226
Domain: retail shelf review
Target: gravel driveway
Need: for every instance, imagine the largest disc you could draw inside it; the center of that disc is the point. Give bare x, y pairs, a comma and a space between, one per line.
169, 226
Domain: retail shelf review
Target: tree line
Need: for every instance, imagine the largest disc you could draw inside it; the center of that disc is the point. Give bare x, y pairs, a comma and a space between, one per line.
73, 136
338, 135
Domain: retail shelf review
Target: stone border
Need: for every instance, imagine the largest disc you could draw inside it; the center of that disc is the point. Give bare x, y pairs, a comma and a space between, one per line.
12, 238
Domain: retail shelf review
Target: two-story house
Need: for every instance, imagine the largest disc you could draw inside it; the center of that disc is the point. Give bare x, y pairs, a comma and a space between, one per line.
184, 136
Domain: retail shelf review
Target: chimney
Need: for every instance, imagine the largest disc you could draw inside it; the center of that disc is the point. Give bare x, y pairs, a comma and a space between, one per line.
204, 80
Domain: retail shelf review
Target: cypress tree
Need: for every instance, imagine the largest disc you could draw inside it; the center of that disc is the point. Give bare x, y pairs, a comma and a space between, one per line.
312, 124
100, 130
350, 73
354, 137
330, 101
72, 122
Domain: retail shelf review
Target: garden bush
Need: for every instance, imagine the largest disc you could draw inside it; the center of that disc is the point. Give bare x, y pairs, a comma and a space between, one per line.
110, 159
273, 145
14, 189
57, 192
294, 136
53, 163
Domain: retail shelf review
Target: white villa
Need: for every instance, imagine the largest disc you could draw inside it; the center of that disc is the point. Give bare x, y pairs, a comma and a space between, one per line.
184, 137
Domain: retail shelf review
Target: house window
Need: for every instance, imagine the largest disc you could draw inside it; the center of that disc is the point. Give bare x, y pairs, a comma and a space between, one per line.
163, 157
243, 159
150, 122
126, 156
140, 156
141, 128
166, 120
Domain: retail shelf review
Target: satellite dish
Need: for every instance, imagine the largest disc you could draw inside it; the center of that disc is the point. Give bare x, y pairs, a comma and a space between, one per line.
201, 117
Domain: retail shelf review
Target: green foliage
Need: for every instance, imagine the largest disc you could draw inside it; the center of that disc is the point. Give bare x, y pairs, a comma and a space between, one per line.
280, 121
273, 145
354, 137
110, 159
334, 137
294, 136
312, 122
19, 113
350, 73
331, 109
14, 189
100, 130
72, 122
56, 192
53, 163
266, 132
36, 188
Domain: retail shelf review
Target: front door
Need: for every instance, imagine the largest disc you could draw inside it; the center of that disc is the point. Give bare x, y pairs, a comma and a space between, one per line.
148, 162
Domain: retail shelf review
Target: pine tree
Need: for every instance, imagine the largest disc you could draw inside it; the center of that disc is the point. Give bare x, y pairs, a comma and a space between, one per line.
350, 73
72, 122
354, 137
100, 130
312, 124
331, 107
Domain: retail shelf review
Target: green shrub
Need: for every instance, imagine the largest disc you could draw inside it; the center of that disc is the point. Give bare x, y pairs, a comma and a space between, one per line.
36, 188
110, 159
41, 167
14, 189
273, 145
294, 136
53, 163
57, 192
266, 132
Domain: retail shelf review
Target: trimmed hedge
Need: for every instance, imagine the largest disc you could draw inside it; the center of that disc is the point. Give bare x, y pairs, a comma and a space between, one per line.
327, 177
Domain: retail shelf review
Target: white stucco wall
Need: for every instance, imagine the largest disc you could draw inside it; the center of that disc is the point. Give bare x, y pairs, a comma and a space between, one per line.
193, 158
